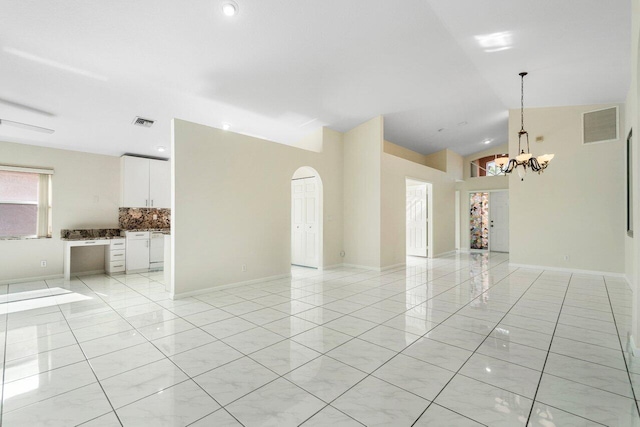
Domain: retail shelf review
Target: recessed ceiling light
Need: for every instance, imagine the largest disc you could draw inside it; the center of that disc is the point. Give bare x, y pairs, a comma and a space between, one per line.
161, 149
487, 141
230, 8
495, 42
226, 126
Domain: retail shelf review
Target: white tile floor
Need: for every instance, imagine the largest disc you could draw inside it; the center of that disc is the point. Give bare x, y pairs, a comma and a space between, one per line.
458, 341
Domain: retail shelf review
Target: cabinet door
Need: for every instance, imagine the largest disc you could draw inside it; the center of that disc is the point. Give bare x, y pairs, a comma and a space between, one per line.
135, 182
137, 254
160, 184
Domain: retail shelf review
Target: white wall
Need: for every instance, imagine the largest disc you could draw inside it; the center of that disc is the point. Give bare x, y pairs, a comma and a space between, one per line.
86, 194
232, 204
395, 170
632, 110
577, 206
362, 151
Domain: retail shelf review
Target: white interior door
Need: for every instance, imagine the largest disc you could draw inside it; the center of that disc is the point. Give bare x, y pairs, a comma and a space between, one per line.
304, 222
311, 223
499, 221
417, 220
297, 221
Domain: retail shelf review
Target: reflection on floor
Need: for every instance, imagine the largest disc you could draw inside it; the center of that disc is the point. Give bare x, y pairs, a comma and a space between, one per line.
464, 340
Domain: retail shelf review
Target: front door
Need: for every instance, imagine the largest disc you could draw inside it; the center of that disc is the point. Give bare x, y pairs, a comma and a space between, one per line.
499, 221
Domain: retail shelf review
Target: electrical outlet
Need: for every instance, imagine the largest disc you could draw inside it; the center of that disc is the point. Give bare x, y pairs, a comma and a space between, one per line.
244, 267
155, 216
43, 263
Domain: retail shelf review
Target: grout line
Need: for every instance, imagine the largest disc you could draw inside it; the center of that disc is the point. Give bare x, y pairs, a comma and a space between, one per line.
566, 291
474, 351
129, 286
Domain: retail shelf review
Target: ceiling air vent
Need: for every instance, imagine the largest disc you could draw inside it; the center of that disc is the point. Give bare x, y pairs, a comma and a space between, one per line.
600, 126
146, 123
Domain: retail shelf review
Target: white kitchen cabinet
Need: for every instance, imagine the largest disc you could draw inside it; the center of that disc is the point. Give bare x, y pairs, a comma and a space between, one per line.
137, 253
146, 183
115, 256
159, 184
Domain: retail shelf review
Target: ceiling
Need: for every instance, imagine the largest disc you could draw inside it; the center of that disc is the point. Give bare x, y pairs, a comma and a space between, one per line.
443, 73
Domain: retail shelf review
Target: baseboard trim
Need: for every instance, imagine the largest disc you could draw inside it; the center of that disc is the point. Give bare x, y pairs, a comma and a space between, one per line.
31, 279
363, 267
443, 254
635, 352
568, 270
227, 286
391, 267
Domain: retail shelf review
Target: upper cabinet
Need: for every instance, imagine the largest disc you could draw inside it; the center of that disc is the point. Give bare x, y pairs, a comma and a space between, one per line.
146, 183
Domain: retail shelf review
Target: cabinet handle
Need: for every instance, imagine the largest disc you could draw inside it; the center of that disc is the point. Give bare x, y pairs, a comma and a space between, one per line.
117, 254
146, 243
151, 202
118, 266
89, 243
146, 202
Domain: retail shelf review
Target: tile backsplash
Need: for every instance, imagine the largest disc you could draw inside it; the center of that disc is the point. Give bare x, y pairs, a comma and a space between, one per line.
143, 218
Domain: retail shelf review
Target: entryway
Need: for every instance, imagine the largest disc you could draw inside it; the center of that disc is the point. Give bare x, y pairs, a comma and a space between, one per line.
489, 221
418, 209
306, 218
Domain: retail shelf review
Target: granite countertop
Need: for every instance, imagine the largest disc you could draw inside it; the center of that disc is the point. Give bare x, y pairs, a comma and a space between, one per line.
163, 230
92, 238
102, 233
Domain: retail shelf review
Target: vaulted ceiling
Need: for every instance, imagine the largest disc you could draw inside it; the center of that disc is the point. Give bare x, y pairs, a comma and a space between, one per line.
443, 73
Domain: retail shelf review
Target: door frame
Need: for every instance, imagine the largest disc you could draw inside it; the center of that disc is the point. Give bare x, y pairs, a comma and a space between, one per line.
429, 185
319, 212
468, 217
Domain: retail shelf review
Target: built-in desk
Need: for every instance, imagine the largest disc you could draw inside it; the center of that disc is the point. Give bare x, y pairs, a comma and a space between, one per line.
68, 244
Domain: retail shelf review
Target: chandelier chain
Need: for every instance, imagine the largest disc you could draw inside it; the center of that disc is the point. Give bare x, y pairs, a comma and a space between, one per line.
522, 101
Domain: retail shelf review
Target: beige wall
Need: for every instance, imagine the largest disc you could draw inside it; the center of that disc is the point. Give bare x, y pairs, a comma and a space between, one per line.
86, 194
405, 153
395, 171
484, 183
362, 153
576, 208
455, 165
437, 160
232, 204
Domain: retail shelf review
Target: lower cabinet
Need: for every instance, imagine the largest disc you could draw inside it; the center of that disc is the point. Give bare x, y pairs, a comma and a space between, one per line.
115, 256
137, 251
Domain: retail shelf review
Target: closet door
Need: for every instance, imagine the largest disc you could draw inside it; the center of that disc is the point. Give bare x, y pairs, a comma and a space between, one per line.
311, 223
304, 222
298, 244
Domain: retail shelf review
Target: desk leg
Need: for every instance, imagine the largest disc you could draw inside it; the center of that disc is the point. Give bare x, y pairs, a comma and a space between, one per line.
67, 261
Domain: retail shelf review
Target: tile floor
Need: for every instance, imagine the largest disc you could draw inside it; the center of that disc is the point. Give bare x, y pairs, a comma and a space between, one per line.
459, 341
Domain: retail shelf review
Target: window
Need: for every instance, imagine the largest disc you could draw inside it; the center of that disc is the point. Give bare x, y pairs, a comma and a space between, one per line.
25, 202
493, 169
486, 166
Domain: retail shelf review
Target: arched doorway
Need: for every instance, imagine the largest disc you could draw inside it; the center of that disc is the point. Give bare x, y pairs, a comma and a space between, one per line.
306, 218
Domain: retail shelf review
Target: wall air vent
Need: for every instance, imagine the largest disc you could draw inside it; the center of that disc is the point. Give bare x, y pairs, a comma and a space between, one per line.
600, 126
146, 123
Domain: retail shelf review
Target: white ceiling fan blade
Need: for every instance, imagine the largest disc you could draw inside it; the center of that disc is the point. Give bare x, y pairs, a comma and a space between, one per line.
26, 126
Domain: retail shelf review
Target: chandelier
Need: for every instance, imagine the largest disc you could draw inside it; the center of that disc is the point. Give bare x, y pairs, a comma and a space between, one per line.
524, 159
